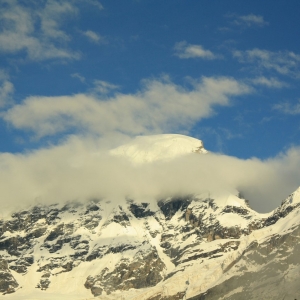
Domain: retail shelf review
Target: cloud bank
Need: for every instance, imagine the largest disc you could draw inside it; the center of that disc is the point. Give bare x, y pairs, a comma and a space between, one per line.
79, 170
160, 106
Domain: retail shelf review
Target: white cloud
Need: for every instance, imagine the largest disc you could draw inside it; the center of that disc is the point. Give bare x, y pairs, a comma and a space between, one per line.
185, 50
79, 169
250, 20
161, 106
283, 62
269, 82
288, 108
36, 29
92, 36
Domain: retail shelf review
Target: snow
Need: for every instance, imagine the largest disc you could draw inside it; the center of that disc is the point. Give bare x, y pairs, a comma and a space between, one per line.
232, 220
295, 197
228, 199
139, 232
163, 147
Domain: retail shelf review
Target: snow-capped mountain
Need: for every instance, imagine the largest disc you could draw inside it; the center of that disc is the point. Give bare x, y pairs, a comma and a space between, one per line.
182, 247
163, 147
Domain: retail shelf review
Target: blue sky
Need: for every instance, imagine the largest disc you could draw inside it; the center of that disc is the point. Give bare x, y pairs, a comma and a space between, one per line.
63, 48
82, 74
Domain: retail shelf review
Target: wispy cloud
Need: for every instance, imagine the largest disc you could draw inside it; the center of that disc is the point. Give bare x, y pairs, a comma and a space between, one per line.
36, 29
250, 20
93, 36
161, 106
78, 76
283, 62
288, 108
185, 50
6, 91
103, 87
95, 3
269, 82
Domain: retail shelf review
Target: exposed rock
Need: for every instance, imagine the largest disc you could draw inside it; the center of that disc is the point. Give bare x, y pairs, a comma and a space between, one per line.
273, 278
141, 211
138, 248
169, 207
7, 281
55, 233
43, 283
143, 271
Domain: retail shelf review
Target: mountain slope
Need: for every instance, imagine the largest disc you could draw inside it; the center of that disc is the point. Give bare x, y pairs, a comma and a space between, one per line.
205, 246
102, 248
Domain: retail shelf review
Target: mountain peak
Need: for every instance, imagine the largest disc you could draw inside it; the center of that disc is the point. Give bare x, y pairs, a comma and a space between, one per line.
162, 147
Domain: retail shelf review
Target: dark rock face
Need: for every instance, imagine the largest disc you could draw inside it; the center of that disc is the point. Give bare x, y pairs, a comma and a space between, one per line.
143, 271
118, 216
162, 296
55, 233
97, 252
7, 281
170, 207
120, 248
235, 209
14, 245
21, 265
280, 212
141, 211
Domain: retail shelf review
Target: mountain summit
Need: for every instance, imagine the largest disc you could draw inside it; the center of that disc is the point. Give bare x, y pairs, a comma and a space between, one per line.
162, 147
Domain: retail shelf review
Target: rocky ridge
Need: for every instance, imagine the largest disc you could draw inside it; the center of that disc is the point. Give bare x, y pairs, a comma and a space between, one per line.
144, 249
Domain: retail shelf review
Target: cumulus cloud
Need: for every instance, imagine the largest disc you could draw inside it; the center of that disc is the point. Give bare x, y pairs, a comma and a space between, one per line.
36, 29
185, 50
160, 106
79, 170
283, 62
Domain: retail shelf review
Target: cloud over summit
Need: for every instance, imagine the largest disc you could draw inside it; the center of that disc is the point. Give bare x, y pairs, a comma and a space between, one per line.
79, 169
